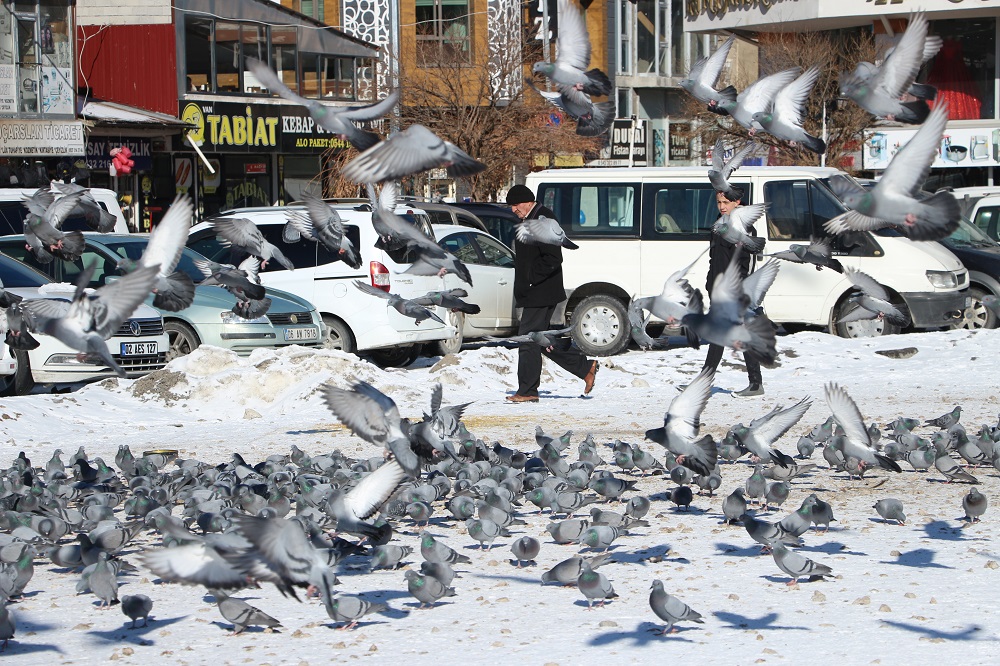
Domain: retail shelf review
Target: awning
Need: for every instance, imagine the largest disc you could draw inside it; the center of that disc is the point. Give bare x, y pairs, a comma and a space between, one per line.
111, 117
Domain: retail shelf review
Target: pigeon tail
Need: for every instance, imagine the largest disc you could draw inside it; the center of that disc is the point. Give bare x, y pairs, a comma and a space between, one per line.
887, 463
923, 91
762, 342
835, 265
598, 84
598, 122
814, 144
781, 459
939, 216
914, 113
704, 459
178, 296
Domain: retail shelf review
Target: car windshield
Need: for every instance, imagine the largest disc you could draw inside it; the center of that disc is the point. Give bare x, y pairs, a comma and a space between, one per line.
15, 274
132, 248
969, 235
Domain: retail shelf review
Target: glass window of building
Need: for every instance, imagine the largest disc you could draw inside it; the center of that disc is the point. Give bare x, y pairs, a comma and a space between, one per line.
227, 57
284, 54
677, 37
253, 44
623, 12
27, 64
964, 70
198, 54
309, 79
442, 32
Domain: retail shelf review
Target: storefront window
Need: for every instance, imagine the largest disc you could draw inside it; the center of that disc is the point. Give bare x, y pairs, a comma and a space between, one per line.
284, 53
253, 44
27, 65
198, 53
964, 70
227, 57
338, 78
300, 174
246, 180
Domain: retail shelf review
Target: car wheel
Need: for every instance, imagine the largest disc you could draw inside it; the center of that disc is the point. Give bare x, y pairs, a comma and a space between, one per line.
394, 357
338, 335
976, 315
452, 345
183, 339
864, 328
21, 382
600, 325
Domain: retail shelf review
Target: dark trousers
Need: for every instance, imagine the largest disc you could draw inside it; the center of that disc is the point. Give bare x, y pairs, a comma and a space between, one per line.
529, 355
753, 367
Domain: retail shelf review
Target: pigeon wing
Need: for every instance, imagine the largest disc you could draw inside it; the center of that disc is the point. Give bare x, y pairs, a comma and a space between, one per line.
364, 499
756, 284
910, 167
847, 414
166, 242
706, 70
901, 66
684, 414
790, 102
777, 423
572, 42
866, 283
116, 301
241, 233
760, 95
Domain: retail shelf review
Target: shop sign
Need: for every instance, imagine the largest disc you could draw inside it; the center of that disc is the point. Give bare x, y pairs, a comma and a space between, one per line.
628, 142
30, 138
959, 147
99, 149
234, 127
680, 145
255, 168
8, 89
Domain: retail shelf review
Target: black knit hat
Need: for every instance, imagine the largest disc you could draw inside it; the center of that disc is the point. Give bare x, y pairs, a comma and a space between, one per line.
519, 194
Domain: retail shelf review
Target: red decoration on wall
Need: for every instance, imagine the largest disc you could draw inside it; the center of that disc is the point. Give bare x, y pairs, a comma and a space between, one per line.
121, 161
950, 75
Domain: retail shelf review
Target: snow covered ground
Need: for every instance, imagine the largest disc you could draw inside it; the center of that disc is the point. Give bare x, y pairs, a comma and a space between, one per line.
919, 594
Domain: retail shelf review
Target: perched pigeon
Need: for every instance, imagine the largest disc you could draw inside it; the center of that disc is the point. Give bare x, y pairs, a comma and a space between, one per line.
426, 589
339, 120
543, 231
670, 609
767, 534
568, 571
784, 119
681, 424
433, 550
403, 306
879, 90
440, 570
103, 581
7, 625
857, 442
974, 504
410, 152
797, 566
388, 556
243, 234
896, 200
721, 169
734, 506
700, 82
594, 585
242, 614
891, 509
350, 609
946, 420
573, 55
872, 301
525, 549
817, 253
137, 606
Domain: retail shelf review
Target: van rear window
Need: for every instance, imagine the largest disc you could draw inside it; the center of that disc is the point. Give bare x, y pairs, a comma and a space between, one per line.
598, 211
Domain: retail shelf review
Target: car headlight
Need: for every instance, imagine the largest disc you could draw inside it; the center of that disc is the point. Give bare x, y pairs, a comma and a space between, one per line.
942, 279
230, 317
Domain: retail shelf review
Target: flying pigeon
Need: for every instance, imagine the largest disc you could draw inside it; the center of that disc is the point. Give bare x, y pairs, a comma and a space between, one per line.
872, 301
681, 424
817, 253
410, 152
704, 73
857, 442
174, 290
735, 227
784, 119
403, 306
721, 169
449, 300
243, 234
322, 224
543, 231
573, 55
758, 98
591, 119
97, 218
763, 432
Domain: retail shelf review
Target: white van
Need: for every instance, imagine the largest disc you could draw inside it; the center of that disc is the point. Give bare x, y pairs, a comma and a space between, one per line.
13, 211
356, 321
636, 226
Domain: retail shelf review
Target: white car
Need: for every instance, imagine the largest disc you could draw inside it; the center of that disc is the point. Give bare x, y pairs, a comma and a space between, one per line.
491, 264
357, 322
139, 347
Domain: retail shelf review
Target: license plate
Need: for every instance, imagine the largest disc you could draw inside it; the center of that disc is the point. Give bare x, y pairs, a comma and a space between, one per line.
139, 348
311, 333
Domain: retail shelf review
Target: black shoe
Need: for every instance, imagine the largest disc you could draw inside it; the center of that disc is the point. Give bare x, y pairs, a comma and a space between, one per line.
752, 390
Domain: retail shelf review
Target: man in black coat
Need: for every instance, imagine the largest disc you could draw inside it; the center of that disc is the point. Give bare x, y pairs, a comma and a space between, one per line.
538, 289
720, 253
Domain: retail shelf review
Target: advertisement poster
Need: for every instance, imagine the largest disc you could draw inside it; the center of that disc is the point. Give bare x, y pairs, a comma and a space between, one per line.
8, 89
57, 90
959, 147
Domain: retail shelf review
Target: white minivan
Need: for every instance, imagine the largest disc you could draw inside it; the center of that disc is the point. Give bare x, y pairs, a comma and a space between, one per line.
13, 211
636, 226
355, 321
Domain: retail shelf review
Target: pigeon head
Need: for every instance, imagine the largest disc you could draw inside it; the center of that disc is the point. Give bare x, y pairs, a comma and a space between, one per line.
543, 68
763, 118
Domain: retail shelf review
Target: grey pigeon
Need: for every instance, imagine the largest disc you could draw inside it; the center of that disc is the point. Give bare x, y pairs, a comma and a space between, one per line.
388, 556
796, 565
758, 97
407, 153
483, 530
611, 487
440, 570
97, 218
818, 253
799, 521
681, 425
734, 227
950, 468
784, 119
673, 302
599, 536
637, 507
704, 73
872, 301
857, 442
568, 571
103, 581
591, 119
756, 484
946, 421
436, 551
321, 224
43, 226
722, 168
776, 495
670, 609
822, 512
243, 234
173, 290
242, 282
594, 585
544, 339
137, 606
734, 506
762, 433
350, 609
879, 90
242, 614
896, 200
543, 231
974, 504
449, 300
767, 534
426, 589
891, 509
573, 54
403, 306
7, 625
567, 531
338, 120
525, 549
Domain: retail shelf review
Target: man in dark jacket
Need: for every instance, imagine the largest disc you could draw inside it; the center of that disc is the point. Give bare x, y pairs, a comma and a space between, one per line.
720, 253
538, 289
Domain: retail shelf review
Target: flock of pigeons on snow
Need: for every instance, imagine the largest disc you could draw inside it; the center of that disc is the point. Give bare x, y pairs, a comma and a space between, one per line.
295, 520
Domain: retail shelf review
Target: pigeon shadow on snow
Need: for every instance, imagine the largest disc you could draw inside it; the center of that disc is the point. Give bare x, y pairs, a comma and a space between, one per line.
533, 580
922, 558
738, 551
643, 634
643, 555
833, 548
386, 596
967, 634
16, 646
123, 633
942, 529
737, 621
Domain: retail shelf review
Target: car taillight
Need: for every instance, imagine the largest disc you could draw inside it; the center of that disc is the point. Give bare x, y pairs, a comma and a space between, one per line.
380, 275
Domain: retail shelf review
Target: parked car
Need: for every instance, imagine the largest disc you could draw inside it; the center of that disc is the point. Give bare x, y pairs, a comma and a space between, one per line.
139, 347
13, 211
357, 322
980, 255
491, 264
442, 213
290, 320
984, 212
499, 219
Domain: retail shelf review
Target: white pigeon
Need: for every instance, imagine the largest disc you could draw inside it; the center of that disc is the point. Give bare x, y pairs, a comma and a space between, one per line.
784, 120
857, 442
758, 98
